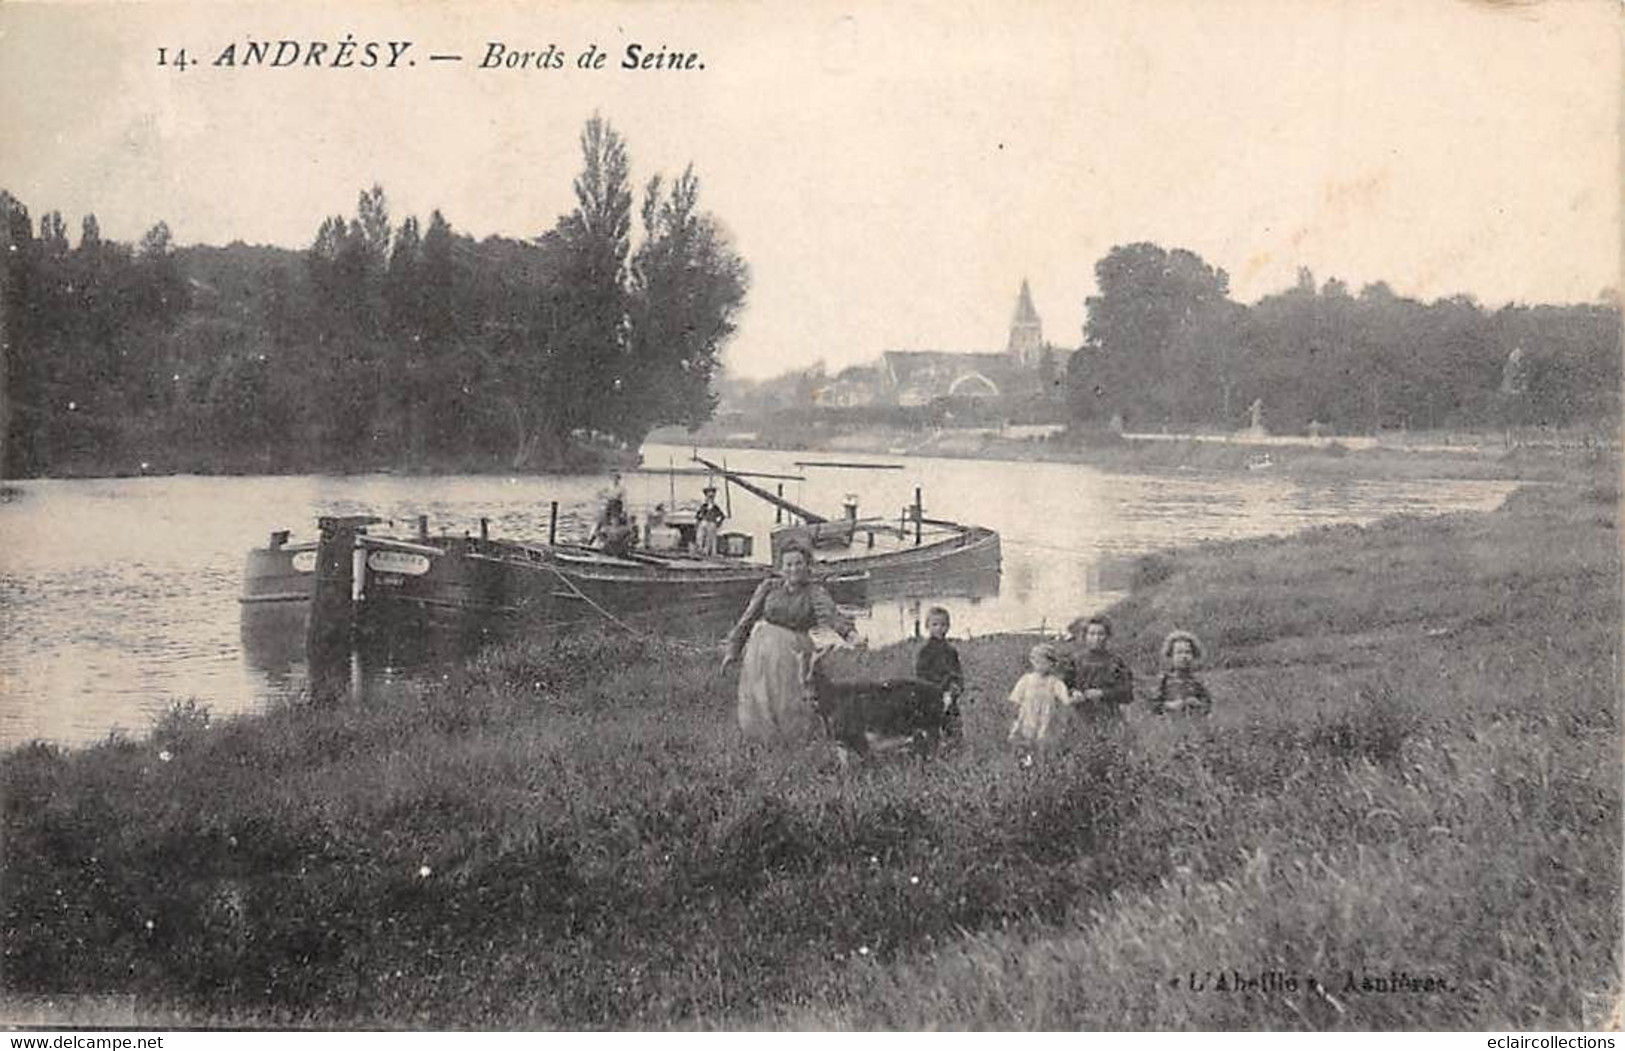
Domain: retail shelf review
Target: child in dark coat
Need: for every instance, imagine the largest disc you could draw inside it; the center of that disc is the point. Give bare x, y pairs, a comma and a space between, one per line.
938, 661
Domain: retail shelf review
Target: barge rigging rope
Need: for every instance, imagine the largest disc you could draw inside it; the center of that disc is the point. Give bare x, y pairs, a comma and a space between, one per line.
612, 618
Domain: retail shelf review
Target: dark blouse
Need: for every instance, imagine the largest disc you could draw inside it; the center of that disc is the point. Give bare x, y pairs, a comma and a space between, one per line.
797, 608
1185, 690
938, 664
1100, 671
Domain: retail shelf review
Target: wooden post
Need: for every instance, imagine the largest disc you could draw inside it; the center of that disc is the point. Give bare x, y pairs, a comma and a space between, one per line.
778, 512
553, 523
919, 516
331, 625
423, 527
485, 528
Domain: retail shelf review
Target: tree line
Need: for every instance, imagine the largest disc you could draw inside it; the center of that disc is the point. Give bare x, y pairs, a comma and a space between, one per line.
1165, 346
384, 344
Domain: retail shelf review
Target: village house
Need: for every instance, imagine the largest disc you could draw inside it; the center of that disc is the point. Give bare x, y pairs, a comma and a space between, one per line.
919, 377
852, 387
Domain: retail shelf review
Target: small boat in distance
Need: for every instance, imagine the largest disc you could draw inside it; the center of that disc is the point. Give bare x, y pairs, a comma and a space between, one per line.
365, 587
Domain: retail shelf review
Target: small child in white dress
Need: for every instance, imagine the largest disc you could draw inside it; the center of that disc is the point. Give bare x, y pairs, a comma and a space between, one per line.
1037, 695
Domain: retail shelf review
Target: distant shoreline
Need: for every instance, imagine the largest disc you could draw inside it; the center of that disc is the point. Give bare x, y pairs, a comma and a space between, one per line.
1486, 458
1455, 456
582, 460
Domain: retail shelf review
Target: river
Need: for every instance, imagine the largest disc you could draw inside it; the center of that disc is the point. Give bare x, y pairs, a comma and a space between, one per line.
118, 597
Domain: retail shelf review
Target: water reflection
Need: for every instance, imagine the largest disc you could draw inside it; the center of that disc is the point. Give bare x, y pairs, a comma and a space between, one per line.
273, 641
899, 613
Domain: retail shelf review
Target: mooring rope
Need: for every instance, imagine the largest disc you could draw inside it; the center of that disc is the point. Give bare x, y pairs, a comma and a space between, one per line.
612, 618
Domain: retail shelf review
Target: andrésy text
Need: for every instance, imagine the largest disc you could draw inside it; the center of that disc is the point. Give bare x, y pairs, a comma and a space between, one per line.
347, 53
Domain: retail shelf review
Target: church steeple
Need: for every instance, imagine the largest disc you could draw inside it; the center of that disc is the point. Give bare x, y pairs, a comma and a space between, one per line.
1026, 330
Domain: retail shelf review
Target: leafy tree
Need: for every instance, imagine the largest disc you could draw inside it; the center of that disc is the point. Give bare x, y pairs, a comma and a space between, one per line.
322, 262
1049, 377
53, 235
687, 287
404, 325
594, 241
1165, 345
1144, 332
373, 336
1095, 386
403, 299
340, 364
18, 384
161, 289
583, 322
372, 219
435, 281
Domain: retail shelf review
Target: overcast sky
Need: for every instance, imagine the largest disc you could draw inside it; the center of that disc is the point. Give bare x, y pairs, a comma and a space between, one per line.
890, 171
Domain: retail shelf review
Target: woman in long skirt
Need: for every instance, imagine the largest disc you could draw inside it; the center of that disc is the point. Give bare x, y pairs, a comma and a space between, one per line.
774, 638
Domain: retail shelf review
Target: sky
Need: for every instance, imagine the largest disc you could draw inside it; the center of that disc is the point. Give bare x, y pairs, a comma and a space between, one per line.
890, 171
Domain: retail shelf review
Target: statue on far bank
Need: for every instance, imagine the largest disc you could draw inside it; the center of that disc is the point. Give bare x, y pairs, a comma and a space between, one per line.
1515, 373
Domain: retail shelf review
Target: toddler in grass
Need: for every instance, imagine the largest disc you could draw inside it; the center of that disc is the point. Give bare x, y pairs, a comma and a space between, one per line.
1179, 691
938, 662
1037, 695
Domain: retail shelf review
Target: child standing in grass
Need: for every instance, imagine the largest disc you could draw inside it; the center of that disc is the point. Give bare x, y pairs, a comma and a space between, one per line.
1179, 691
1101, 681
1037, 695
938, 661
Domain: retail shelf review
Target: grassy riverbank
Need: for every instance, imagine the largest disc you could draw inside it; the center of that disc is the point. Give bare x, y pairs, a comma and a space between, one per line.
1413, 767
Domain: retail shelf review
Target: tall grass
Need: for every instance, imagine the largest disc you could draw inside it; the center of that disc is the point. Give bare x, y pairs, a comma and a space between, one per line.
1412, 767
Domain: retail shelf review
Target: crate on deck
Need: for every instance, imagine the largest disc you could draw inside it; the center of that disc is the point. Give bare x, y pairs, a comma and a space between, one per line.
665, 538
735, 545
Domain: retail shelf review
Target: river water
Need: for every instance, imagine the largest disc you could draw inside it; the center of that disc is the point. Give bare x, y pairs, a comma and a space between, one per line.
118, 597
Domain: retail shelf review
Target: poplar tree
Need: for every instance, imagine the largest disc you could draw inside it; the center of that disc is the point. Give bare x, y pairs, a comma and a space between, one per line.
687, 288
585, 310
